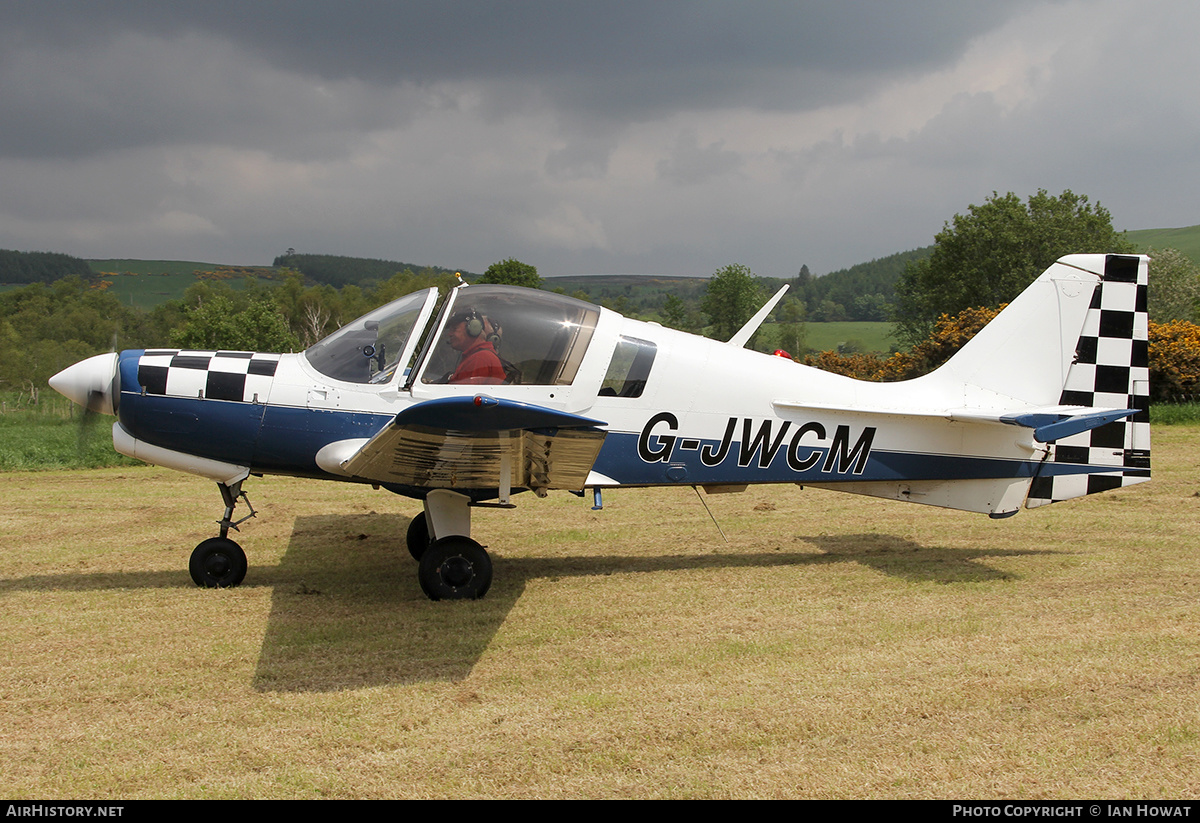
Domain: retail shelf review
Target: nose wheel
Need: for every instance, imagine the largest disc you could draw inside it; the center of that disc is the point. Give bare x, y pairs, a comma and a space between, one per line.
220, 563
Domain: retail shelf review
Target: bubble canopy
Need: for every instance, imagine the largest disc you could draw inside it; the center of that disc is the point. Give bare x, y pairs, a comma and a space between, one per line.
541, 337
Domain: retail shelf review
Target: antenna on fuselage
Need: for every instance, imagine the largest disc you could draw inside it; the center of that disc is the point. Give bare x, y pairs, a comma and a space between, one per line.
710, 514
747, 331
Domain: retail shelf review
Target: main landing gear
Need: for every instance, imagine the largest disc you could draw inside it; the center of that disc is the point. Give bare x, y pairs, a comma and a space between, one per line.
452, 565
218, 562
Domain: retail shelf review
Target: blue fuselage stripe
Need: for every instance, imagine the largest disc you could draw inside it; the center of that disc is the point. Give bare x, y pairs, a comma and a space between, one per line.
620, 460
271, 439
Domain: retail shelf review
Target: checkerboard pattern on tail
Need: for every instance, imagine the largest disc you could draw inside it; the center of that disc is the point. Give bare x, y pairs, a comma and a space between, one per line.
241, 376
1111, 370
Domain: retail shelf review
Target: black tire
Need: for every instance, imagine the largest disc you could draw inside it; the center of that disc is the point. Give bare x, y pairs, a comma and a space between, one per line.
418, 536
218, 563
455, 568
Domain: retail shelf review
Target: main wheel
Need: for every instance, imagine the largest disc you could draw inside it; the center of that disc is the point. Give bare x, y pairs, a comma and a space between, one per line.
218, 563
418, 536
455, 568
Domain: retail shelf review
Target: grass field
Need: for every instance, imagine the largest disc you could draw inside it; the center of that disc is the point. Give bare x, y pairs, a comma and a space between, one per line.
873, 337
835, 647
56, 434
865, 336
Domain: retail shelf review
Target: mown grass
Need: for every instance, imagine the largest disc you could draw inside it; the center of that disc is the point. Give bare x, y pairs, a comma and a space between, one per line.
836, 646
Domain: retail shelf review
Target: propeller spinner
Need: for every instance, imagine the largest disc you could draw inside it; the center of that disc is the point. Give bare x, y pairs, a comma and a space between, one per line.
91, 383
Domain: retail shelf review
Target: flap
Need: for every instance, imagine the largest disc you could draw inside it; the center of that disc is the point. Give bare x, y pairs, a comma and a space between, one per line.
480, 443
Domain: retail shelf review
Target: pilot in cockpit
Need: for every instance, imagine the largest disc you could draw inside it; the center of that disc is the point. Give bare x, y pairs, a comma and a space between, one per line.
472, 335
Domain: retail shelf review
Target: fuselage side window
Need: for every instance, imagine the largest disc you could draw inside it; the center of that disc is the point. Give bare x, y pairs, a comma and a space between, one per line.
629, 368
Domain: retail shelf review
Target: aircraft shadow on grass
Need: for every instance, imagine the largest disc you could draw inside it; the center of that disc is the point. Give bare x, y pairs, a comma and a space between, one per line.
346, 614
333, 626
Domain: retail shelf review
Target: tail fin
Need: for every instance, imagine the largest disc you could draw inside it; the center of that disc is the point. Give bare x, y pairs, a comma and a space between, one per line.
1068, 359
1025, 354
1110, 369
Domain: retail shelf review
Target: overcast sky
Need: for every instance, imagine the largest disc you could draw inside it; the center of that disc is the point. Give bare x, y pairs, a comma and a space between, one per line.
657, 136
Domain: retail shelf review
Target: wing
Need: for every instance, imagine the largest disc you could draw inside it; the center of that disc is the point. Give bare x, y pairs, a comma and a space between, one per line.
474, 443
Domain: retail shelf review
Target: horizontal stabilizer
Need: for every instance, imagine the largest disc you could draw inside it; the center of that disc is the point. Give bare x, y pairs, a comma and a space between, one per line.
1053, 424
1049, 424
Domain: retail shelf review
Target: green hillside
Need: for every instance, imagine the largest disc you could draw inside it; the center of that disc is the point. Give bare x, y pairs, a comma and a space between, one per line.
1186, 240
837, 295
148, 283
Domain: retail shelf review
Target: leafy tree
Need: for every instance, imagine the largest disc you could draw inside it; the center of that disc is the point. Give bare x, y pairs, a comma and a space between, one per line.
675, 313
216, 324
988, 256
44, 329
792, 334
827, 311
873, 307
1174, 286
730, 300
512, 272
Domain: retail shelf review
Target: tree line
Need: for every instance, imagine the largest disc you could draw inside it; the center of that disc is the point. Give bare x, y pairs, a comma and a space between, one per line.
981, 260
40, 266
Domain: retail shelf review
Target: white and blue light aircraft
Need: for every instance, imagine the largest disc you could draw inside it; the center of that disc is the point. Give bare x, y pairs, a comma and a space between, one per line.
510, 390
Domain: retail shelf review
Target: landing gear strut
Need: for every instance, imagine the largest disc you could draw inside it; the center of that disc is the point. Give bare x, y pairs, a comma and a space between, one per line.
452, 566
218, 562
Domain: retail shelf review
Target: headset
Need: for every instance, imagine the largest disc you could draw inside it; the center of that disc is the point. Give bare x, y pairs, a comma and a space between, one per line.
474, 322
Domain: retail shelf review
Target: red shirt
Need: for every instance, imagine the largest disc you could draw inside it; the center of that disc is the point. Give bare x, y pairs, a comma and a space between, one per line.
479, 364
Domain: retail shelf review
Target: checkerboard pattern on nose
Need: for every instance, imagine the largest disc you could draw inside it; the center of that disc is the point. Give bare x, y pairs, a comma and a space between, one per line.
216, 375
1111, 370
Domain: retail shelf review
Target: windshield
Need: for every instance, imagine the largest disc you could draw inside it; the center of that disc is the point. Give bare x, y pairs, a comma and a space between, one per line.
369, 349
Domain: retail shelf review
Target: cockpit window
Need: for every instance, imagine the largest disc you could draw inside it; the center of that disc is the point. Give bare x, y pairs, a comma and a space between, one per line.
369, 350
512, 336
629, 368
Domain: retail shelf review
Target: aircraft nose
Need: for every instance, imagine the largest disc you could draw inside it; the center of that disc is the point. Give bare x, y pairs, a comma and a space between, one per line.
90, 383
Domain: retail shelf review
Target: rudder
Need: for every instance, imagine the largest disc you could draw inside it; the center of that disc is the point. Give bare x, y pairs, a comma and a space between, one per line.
1111, 369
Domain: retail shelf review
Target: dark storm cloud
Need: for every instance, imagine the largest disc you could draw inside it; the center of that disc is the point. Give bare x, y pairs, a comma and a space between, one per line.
167, 70
441, 39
